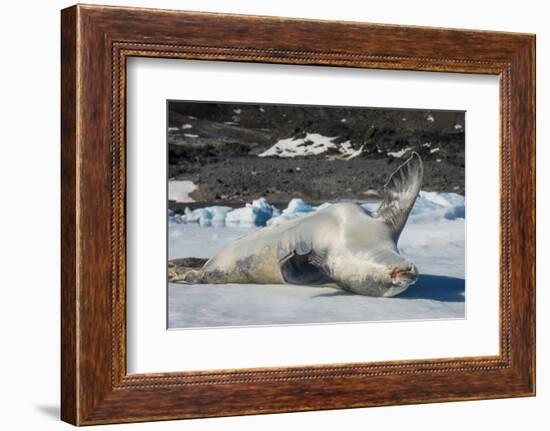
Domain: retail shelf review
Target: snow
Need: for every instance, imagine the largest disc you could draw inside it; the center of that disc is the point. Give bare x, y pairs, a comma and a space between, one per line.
191, 240
433, 239
237, 111
347, 150
190, 135
430, 118
400, 153
186, 126
458, 126
355, 153
179, 191
313, 143
435, 150
172, 129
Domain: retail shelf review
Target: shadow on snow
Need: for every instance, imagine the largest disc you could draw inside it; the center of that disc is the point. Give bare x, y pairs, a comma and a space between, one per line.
437, 288
432, 287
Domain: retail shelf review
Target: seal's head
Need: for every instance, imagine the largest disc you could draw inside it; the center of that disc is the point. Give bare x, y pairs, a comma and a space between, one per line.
384, 274
398, 276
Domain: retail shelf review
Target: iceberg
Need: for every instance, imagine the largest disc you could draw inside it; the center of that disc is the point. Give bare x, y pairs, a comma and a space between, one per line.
255, 214
209, 216
296, 208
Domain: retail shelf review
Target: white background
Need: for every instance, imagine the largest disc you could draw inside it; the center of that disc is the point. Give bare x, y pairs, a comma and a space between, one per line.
29, 227
151, 348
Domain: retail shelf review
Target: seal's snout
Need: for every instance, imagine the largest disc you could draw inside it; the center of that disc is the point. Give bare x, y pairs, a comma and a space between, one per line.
406, 273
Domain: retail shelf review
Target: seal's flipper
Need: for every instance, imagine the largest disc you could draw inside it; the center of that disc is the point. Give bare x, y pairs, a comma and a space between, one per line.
304, 269
400, 193
186, 270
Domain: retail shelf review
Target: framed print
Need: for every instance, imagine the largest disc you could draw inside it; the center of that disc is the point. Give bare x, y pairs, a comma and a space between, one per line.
267, 215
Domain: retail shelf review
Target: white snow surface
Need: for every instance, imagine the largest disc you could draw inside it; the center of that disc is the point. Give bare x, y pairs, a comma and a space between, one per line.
434, 239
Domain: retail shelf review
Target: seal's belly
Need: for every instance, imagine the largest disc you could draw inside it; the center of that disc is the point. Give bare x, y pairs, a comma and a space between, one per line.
238, 266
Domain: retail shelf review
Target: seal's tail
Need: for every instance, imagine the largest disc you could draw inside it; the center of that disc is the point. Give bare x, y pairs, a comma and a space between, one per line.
186, 270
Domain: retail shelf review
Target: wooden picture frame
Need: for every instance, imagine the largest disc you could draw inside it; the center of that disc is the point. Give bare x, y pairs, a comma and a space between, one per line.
95, 43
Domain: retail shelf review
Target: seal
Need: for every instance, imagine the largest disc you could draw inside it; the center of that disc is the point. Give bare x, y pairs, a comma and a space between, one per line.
342, 245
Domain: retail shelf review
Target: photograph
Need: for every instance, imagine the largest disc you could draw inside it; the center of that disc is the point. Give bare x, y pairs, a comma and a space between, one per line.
283, 214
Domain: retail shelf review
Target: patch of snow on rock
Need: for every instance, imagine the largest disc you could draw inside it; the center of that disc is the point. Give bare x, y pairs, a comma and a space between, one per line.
312, 143
346, 149
179, 191
400, 153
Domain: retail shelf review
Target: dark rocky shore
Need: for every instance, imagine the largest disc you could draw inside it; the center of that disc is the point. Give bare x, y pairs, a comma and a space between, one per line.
218, 147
